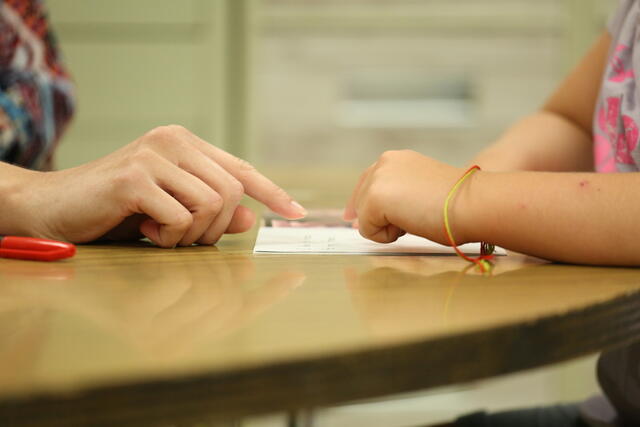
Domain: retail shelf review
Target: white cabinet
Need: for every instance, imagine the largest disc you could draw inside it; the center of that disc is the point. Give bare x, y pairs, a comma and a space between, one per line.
328, 82
338, 82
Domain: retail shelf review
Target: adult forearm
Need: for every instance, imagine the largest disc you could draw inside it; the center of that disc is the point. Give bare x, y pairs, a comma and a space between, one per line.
583, 218
544, 141
13, 191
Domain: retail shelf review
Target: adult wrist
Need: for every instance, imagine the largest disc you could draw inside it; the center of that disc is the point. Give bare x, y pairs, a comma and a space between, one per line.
16, 194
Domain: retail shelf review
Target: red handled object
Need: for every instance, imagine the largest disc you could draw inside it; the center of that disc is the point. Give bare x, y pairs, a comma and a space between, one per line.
35, 249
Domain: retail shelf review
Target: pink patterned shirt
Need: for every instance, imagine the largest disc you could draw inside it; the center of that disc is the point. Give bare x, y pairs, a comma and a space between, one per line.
615, 134
615, 127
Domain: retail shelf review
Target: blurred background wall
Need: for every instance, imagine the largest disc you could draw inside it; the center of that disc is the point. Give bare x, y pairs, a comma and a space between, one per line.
337, 82
144, 63
316, 82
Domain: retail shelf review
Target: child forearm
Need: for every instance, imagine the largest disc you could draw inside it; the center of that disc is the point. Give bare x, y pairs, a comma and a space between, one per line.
583, 218
558, 138
544, 141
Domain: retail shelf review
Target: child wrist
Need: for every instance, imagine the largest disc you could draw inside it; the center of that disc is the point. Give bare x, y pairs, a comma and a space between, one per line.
466, 222
467, 212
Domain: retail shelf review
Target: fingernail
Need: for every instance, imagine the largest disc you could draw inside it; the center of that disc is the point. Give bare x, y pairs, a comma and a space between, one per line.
299, 207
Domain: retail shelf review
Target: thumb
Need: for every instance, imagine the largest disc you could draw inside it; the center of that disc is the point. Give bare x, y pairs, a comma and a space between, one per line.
243, 219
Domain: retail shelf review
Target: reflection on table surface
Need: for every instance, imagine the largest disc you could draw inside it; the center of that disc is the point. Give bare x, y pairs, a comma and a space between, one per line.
118, 313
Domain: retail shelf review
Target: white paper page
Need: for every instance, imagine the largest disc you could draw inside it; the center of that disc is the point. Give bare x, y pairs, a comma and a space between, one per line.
342, 240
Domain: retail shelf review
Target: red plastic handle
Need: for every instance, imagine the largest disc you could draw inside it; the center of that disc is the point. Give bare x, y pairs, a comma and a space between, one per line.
35, 249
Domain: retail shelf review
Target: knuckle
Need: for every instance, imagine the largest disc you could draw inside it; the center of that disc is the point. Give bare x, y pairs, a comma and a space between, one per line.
376, 199
209, 206
389, 155
216, 201
167, 130
376, 178
160, 132
394, 155
183, 220
176, 129
236, 190
132, 175
364, 232
244, 166
162, 135
407, 154
212, 204
142, 156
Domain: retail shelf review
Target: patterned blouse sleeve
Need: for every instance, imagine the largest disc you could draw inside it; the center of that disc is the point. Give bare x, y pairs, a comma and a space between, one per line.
36, 92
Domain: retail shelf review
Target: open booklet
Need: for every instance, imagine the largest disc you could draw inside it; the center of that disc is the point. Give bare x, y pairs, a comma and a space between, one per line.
325, 232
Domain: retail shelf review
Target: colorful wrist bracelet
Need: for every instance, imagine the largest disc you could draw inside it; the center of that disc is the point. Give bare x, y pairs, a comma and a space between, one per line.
486, 249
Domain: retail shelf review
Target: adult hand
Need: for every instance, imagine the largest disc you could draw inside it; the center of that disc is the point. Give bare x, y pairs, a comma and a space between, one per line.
405, 191
169, 185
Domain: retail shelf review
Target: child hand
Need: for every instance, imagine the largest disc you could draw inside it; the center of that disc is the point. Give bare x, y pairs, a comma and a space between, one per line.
404, 191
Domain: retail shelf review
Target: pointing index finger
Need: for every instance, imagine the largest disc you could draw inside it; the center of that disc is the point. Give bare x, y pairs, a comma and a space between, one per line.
255, 184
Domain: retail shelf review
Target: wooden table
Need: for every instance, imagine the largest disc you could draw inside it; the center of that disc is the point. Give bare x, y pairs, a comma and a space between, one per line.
135, 335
